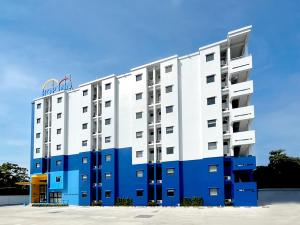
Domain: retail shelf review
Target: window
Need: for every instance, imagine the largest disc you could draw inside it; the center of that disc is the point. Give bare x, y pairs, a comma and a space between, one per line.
84, 178
168, 69
84, 194
38, 120
107, 194
138, 77
58, 162
57, 179
169, 109
107, 139
211, 100
84, 143
139, 173
84, 160
212, 168
58, 147
107, 121
170, 192
84, 109
37, 165
107, 103
169, 130
38, 135
58, 116
139, 193
58, 131
139, 134
210, 79
211, 123
107, 158
170, 171
170, 150
139, 154
84, 92
84, 126
138, 96
138, 115
107, 86
55, 197
213, 191
107, 176
169, 88
37, 150
210, 57
212, 145
59, 100
38, 106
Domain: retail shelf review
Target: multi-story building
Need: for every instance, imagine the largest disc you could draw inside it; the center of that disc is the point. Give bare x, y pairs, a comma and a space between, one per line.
176, 128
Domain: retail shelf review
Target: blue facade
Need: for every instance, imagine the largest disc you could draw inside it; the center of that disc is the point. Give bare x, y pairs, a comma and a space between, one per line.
109, 174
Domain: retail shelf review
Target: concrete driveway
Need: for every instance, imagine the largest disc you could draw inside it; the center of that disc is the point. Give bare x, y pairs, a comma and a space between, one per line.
273, 215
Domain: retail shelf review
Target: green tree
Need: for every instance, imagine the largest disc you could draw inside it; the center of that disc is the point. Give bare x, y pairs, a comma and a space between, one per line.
10, 174
283, 171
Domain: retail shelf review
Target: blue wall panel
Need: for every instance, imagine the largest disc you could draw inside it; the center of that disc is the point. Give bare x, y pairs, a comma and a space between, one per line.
190, 179
197, 180
171, 182
109, 185
85, 185
70, 194
128, 183
53, 184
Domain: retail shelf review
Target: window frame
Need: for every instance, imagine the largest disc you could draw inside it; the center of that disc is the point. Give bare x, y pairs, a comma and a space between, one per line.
138, 113
138, 94
139, 152
107, 104
210, 57
211, 123
170, 169
59, 100
84, 109
169, 148
107, 86
209, 147
139, 134
211, 98
85, 92
169, 68
138, 77
139, 173
170, 107
170, 130
171, 190
107, 121
84, 143
210, 78
169, 89
107, 139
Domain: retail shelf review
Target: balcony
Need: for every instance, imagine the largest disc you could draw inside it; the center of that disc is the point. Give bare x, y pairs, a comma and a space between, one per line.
244, 113
243, 163
241, 64
243, 138
244, 88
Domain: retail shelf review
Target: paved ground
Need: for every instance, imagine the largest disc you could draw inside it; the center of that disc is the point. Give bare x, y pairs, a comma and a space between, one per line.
274, 214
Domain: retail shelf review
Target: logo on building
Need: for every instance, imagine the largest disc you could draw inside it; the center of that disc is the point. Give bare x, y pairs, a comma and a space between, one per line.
53, 85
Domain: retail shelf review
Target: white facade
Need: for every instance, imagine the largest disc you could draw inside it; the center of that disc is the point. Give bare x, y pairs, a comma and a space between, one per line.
159, 109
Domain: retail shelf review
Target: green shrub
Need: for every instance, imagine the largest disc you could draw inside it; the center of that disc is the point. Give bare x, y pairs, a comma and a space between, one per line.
152, 204
124, 202
49, 204
97, 203
194, 201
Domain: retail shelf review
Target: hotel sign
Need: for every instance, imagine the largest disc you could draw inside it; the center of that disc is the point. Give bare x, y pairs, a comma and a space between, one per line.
53, 85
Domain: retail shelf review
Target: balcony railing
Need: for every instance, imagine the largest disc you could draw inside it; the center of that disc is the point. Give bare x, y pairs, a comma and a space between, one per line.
243, 138
240, 64
244, 113
244, 88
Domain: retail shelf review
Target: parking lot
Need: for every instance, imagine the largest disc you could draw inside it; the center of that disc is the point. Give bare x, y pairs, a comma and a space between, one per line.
272, 214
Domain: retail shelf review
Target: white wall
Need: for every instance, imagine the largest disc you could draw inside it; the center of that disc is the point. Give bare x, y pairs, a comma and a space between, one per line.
170, 119
38, 128
14, 199
139, 144
209, 112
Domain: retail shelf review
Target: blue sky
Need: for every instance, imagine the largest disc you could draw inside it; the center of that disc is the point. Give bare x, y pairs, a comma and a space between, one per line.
90, 39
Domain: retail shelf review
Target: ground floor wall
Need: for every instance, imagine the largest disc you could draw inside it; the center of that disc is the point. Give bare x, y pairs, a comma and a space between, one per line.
103, 176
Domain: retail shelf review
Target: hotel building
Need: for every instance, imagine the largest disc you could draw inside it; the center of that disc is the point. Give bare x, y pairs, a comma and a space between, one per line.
176, 128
